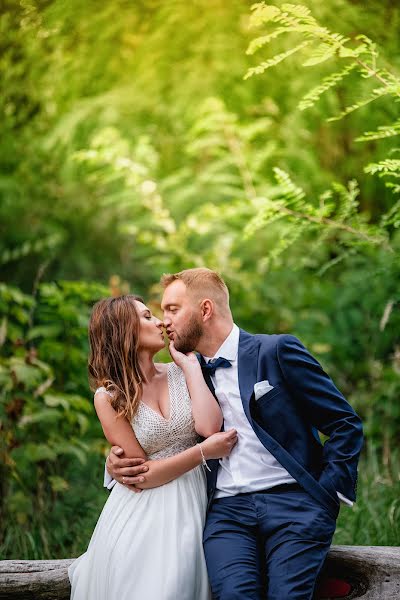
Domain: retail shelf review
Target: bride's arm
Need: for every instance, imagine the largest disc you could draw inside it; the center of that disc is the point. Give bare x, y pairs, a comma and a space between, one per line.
207, 414
119, 432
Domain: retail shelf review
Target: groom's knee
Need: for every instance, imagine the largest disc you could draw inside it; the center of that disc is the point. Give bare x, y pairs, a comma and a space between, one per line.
236, 586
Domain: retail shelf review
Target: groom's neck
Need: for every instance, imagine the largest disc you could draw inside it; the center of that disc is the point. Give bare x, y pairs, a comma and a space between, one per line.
214, 336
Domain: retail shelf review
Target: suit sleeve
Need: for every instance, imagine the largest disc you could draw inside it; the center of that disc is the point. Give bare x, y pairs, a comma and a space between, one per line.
328, 411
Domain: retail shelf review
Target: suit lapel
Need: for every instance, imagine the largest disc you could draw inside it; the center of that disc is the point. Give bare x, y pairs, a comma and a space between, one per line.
247, 368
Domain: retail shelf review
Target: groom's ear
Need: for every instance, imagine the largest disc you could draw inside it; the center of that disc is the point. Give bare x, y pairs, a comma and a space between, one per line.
207, 309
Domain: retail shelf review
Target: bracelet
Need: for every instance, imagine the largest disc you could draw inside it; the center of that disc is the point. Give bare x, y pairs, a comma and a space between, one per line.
203, 462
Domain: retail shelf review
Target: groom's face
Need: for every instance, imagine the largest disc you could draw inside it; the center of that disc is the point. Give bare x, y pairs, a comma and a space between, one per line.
182, 318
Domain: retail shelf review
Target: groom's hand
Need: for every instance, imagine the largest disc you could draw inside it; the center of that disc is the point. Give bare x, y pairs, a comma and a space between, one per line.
127, 471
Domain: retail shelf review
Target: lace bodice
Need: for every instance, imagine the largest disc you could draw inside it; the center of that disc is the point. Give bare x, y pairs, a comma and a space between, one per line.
160, 437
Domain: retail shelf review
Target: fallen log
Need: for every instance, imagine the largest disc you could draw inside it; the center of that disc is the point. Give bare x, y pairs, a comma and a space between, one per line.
367, 572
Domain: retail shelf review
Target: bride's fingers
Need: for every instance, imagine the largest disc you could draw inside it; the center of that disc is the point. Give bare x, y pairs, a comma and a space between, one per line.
124, 462
231, 434
131, 471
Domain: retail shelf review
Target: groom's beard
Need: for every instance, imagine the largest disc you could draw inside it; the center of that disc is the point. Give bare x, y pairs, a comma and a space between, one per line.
188, 339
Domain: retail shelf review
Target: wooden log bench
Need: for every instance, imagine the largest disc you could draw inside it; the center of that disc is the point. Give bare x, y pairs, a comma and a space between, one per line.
367, 572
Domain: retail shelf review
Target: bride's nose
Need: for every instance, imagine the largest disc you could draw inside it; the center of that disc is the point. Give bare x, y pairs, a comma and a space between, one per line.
159, 324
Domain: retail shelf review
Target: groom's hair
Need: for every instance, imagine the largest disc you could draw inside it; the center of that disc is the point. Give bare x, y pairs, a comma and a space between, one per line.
201, 283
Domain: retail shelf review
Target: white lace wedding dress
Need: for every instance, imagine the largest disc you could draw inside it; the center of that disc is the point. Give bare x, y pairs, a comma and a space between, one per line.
148, 546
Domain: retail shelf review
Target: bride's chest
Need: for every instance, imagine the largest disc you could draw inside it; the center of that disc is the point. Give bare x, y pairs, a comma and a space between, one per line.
155, 432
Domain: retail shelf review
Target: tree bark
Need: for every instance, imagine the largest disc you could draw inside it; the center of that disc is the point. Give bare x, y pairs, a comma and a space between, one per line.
369, 572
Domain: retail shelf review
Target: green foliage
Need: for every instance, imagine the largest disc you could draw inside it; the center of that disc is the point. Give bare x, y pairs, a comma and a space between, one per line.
129, 146
361, 56
46, 416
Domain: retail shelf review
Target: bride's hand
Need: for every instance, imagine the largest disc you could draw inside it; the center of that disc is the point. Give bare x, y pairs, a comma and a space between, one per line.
184, 361
219, 444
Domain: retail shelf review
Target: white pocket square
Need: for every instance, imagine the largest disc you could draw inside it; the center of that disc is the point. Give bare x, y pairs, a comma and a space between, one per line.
261, 388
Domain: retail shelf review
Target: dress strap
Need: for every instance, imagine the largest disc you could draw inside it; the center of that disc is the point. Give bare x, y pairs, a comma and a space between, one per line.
103, 389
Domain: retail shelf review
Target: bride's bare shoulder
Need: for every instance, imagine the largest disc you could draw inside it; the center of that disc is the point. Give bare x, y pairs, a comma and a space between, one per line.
163, 366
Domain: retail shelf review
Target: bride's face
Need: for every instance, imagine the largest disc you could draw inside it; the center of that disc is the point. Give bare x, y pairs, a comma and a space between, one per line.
151, 335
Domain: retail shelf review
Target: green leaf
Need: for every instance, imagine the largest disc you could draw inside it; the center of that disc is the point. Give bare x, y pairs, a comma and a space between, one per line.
37, 452
47, 331
24, 373
41, 416
58, 484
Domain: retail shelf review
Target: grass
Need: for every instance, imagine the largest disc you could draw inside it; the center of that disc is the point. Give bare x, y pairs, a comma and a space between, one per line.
374, 520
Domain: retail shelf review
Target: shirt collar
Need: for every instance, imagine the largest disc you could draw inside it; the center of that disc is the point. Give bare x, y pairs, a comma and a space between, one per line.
229, 348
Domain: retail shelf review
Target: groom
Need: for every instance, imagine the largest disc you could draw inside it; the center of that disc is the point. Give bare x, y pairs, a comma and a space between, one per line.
274, 501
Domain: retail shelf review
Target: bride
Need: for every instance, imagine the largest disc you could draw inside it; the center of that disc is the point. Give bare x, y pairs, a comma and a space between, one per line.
149, 545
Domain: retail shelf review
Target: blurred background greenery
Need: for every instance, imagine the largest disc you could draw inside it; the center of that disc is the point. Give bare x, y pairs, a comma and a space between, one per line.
143, 137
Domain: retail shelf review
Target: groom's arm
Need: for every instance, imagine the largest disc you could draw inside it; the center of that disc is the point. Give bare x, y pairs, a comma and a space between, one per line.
328, 410
117, 466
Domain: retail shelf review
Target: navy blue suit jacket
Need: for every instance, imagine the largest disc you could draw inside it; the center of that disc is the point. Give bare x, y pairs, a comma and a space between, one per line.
303, 401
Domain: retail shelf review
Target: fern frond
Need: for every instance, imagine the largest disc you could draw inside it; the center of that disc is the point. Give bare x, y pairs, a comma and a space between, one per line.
299, 11
376, 93
384, 131
348, 200
291, 193
272, 62
327, 83
263, 13
389, 166
322, 53
392, 218
261, 41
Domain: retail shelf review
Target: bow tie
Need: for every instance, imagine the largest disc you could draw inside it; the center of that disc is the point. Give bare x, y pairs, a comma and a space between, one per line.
215, 363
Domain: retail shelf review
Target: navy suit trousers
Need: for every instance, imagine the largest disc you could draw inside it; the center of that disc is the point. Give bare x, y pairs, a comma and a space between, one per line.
267, 545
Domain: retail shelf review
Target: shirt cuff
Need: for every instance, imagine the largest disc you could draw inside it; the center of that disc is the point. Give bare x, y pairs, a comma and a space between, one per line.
109, 482
342, 499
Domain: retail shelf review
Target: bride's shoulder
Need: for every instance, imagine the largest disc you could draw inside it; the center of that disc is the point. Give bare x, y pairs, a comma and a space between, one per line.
165, 367
103, 391
171, 369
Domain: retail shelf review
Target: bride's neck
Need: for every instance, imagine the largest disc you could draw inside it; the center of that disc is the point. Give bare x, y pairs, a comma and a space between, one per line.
149, 370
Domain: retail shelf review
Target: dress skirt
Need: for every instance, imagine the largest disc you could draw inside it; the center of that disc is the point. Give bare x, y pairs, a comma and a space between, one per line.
147, 546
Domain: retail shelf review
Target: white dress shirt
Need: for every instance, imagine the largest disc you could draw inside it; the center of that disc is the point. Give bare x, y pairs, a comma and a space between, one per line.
250, 467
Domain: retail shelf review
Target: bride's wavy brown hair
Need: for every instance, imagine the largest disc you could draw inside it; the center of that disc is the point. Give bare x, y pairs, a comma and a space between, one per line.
113, 359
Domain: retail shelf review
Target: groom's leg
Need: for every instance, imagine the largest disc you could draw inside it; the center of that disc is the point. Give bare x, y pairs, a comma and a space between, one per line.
233, 549
298, 533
